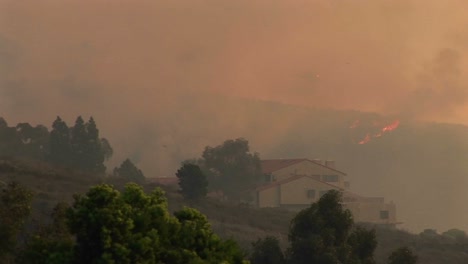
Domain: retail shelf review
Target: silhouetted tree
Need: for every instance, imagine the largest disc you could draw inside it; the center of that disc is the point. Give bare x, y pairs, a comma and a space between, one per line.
322, 233
52, 244
10, 142
402, 255
106, 149
33, 141
93, 148
79, 146
234, 168
79, 142
192, 182
267, 251
129, 172
59, 144
457, 234
363, 243
15, 206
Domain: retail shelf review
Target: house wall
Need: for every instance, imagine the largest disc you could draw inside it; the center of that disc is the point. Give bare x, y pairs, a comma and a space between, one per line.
294, 195
309, 168
370, 212
296, 192
269, 197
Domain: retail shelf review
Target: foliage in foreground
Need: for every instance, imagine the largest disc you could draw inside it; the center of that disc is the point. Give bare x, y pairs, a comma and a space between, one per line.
15, 207
192, 182
109, 226
134, 227
323, 233
267, 251
402, 255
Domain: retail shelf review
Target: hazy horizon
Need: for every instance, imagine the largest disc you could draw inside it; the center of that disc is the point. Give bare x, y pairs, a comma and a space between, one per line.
162, 78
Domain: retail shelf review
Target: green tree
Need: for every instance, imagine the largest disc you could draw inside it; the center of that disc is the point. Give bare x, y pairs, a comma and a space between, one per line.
78, 140
363, 243
34, 141
106, 149
101, 222
79, 146
234, 168
59, 143
402, 255
129, 172
134, 227
267, 251
192, 182
323, 233
457, 234
199, 243
52, 244
95, 154
10, 142
15, 207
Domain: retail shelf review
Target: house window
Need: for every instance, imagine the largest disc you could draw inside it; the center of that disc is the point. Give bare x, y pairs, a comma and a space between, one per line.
330, 178
384, 215
268, 178
315, 177
311, 194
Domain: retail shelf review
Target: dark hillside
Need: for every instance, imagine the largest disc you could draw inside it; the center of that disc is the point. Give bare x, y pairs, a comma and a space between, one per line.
244, 224
420, 166
49, 184
427, 159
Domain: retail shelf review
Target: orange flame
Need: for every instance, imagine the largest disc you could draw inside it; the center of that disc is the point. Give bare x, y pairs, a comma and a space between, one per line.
355, 124
392, 126
365, 140
388, 128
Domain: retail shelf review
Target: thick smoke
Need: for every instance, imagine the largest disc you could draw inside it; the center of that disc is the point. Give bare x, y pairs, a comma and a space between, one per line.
441, 88
163, 78
365, 55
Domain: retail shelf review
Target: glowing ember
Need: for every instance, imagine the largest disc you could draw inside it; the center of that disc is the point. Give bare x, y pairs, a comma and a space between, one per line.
365, 140
392, 126
355, 124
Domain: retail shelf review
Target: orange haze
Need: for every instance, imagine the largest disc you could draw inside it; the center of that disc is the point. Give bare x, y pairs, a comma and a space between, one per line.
143, 67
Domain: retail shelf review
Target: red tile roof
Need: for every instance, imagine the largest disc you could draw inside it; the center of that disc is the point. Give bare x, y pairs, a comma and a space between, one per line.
272, 165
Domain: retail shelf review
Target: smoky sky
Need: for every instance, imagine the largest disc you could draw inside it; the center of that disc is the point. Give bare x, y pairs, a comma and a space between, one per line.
366, 55
158, 75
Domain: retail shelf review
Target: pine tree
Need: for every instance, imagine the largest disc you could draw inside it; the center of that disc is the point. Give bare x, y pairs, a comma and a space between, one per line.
59, 143
93, 149
78, 144
129, 172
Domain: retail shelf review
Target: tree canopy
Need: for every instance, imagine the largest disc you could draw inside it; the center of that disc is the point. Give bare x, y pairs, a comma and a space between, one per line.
234, 169
323, 233
192, 182
267, 251
79, 146
402, 255
134, 227
15, 207
129, 171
